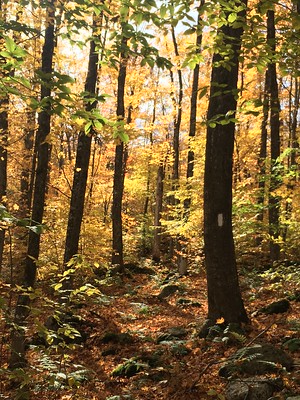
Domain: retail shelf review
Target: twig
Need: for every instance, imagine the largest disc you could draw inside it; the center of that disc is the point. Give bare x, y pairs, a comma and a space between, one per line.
260, 334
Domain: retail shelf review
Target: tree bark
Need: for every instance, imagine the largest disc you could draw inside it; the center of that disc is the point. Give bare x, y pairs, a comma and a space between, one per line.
17, 358
224, 297
27, 171
119, 170
263, 151
158, 210
274, 200
4, 104
81, 164
182, 260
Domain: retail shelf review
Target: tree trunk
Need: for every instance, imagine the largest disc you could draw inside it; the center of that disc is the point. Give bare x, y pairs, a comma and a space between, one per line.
274, 200
4, 102
27, 171
17, 358
81, 163
158, 211
294, 100
224, 297
263, 152
119, 170
182, 241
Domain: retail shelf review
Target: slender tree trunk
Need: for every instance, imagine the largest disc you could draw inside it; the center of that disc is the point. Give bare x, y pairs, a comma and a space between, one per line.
178, 117
177, 106
147, 199
263, 151
224, 297
120, 156
182, 242
81, 164
43, 149
193, 110
158, 210
294, 146
4, 104
26, 188
274, 200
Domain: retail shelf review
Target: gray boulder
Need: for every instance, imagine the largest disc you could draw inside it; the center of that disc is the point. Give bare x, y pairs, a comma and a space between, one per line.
256, 360
252, 389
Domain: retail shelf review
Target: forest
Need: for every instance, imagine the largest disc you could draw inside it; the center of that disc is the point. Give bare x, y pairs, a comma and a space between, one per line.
149, 199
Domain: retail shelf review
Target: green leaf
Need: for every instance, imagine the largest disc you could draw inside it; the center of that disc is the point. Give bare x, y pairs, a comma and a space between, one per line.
163, 11
189, 31
38, 229
203, 92
10, 44
232, 17
88, 127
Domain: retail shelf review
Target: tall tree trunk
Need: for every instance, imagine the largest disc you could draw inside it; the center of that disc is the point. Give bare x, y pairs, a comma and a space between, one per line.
178, 117
182, 241
120, 156
81, 163
144, 249
17, 358
27, 171
193, 109
294, 100
274, 200
158, 210
4, 104
177, 107
263, 152
224, 297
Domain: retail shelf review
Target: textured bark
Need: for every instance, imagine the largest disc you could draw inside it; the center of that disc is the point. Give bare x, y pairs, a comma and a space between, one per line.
294, 101
263, 150
182, 242
43, 152
120, 159
81, 165
4, 102
274, 200
193, 109
158, 211
26, 184
178, 117
224, 297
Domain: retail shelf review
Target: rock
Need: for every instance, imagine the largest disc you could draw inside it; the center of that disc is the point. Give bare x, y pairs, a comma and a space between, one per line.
252, 388
293, 398
168, 291
187, 302
137, 269
129, 368
179, 349
256, 360
176, 332
205, 328
109, 352
295, 296
277, 307
62, 327
115, 337
292, 344
183, 302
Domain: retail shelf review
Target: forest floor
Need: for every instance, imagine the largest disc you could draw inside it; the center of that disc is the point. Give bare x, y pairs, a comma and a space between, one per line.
155, 340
